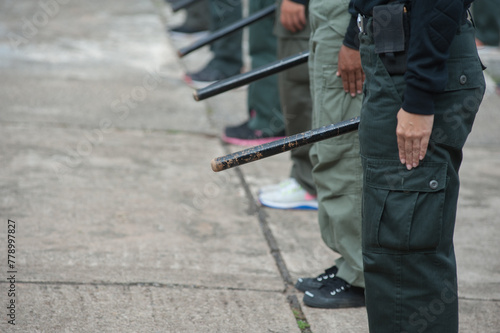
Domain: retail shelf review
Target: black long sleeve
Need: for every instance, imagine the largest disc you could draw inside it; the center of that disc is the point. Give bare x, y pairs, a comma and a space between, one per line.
302, 2
433, 25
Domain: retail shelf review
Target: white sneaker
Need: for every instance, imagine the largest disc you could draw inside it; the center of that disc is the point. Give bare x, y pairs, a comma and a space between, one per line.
276, 187
289, 195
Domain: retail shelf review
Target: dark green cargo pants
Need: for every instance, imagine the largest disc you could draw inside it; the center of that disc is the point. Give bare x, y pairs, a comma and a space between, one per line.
196, 16
227, 51
409, 216
263, 95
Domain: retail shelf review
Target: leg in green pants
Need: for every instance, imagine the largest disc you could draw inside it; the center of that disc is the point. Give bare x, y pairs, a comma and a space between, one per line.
263, 95
196, 16
265, 122
296, 102
337, 166
227, 51
409, 216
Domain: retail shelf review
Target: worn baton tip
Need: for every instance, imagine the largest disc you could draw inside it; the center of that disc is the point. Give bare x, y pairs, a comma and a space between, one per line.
195, 95
216, 167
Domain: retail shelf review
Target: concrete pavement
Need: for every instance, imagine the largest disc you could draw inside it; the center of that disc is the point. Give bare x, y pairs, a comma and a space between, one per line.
119, 223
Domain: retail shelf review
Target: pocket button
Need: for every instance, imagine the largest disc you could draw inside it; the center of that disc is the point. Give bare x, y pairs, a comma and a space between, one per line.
463, 79
433, 184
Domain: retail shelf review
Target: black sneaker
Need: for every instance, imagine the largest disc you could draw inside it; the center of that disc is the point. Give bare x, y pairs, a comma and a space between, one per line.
334, 295
242, 135
305, 284
205, 77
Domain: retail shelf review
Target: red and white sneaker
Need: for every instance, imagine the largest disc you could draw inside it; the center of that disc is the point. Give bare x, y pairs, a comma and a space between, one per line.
242, 135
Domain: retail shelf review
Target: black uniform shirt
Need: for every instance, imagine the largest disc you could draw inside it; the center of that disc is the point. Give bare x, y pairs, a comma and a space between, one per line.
433, 24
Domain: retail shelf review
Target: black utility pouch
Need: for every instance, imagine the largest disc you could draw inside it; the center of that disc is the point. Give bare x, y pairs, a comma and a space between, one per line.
391, 34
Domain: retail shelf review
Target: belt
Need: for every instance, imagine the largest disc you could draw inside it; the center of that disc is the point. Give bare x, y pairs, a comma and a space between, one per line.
363, 20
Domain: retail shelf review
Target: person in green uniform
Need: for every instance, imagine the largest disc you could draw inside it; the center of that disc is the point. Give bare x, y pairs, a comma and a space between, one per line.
292, 30
196, 21
336, 162
423, 87
265, 122
227, 57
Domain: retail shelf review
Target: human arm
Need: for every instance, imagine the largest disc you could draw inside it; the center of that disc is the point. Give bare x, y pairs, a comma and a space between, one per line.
350, 70
433, 27
413, 133
349, 60
293, 15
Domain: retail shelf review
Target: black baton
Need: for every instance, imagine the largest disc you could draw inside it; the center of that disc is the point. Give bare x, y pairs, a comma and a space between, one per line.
227, 30
250, 76
282, 145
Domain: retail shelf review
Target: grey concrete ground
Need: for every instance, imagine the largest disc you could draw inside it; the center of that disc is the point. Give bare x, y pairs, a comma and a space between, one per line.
121, 226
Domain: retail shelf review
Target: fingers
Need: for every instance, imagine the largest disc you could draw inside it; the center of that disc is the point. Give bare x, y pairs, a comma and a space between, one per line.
401, 149
345, 79
423, 149
350, 70
412, 161
413, 134
299, 21
410, 151
301, 18
287, 22
292, 23
293, 19
409, 148
352, 81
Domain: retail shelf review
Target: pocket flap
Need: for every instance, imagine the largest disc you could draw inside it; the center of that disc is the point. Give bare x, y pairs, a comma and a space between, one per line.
464, 73
393, 176
388, 28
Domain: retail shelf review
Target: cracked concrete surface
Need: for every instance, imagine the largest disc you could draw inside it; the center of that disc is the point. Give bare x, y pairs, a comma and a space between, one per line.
121, 226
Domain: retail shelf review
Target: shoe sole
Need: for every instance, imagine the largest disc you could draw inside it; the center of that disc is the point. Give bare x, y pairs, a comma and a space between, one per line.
245, 142
338, 304
197, 84
179, 36
298, 205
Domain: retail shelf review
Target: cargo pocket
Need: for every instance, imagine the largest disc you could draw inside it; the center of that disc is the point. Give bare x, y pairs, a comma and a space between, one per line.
403, 209
335, 105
